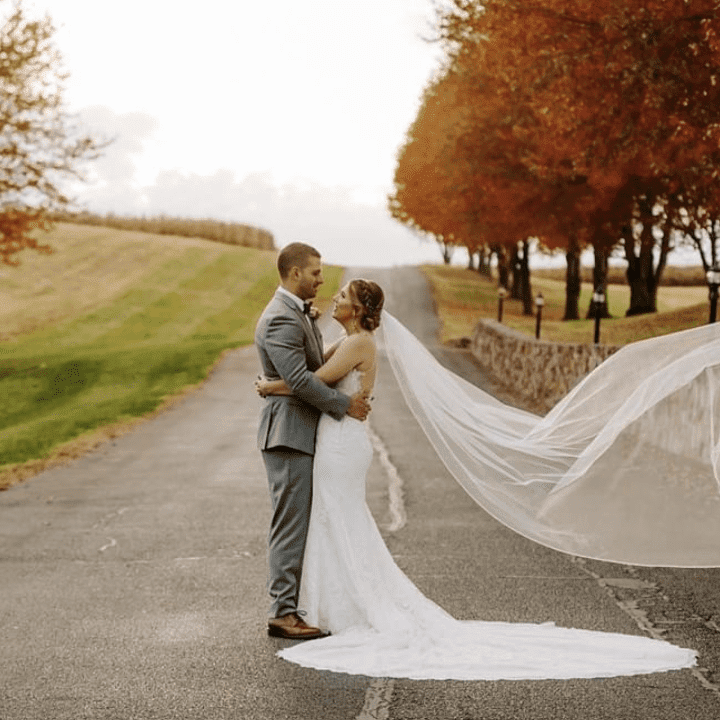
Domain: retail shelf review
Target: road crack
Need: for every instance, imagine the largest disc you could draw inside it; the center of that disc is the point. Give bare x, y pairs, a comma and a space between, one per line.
636, 597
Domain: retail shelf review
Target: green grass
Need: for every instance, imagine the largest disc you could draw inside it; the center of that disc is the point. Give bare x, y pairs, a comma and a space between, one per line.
462, 297
121, 360
74, 392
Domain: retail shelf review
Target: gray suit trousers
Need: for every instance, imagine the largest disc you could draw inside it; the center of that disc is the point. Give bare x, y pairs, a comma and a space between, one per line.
290, 482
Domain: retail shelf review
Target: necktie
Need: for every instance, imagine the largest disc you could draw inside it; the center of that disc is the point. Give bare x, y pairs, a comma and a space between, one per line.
307, 307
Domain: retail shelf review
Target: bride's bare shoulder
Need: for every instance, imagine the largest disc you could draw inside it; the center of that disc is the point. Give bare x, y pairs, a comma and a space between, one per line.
360, 348
361, 342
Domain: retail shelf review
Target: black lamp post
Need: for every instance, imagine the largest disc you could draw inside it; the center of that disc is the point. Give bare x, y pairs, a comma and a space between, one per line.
502, 293
598, 303
539, 302
713, 278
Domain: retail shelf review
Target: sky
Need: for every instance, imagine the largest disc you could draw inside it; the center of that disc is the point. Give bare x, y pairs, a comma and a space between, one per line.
277, 113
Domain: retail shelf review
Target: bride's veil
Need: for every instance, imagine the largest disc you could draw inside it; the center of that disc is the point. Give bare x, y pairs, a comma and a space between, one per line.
626, 468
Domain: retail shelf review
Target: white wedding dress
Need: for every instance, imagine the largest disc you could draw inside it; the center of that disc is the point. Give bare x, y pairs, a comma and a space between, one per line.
383, 626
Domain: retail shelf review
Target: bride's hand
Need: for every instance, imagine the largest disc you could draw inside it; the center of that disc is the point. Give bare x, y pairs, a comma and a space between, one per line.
359, 405
262, 386
267, 387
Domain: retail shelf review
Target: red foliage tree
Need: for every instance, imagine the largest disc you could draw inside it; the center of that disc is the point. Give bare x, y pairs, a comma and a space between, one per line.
582, 117
453, 179
39, 147
628, 99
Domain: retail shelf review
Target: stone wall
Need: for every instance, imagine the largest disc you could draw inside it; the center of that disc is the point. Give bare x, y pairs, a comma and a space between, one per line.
540, 372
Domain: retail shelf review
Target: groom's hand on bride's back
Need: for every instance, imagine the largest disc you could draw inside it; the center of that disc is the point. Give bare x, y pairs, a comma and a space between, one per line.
359, 406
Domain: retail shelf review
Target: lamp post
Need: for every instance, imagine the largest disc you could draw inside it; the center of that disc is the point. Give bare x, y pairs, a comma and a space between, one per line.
539, 302
713, 278
598, 302
502, 293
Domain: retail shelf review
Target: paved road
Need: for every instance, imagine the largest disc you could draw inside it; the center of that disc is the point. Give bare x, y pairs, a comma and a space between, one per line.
132, 582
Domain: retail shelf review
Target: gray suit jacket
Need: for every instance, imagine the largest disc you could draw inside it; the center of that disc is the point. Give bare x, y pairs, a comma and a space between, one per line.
290, 347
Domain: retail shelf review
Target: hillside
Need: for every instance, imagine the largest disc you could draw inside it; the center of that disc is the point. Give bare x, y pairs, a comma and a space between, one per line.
113, 324
93, 265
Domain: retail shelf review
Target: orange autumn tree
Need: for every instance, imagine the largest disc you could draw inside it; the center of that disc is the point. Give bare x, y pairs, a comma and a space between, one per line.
431, 194
658, 120
514, 199
464, 169
39, 148
446, 185
623, 98
695, 212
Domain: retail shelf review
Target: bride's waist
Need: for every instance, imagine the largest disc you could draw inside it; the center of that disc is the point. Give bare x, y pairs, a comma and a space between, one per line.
347, 425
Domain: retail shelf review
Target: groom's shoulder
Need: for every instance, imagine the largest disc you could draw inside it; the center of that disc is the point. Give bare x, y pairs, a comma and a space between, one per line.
277, 312
278, 307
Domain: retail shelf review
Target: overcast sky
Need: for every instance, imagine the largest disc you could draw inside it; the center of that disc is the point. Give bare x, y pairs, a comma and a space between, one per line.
279, 113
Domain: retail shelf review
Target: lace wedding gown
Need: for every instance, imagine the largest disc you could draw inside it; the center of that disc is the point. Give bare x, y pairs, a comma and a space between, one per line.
383, 626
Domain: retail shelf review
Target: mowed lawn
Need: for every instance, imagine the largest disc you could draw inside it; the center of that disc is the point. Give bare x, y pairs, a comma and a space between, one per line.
110, 326
463, 296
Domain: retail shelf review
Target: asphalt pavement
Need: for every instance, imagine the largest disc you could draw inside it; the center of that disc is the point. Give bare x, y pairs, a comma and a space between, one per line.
133, 580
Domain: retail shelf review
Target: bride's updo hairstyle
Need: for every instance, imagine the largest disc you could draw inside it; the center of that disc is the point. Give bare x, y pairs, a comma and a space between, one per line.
370, 299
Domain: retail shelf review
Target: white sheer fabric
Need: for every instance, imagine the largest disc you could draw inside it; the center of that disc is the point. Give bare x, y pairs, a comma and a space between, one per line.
383, 626
626, 468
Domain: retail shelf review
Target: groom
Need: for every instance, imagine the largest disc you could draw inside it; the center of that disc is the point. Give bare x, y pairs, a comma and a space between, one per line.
291, 348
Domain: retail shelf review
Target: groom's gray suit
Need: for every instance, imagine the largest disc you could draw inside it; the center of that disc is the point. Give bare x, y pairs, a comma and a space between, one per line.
291, 348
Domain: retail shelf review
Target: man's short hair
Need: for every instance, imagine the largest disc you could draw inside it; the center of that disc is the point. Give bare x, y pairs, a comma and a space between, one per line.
297, 255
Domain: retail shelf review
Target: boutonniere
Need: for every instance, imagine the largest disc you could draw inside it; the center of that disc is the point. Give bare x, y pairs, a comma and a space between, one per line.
314, 313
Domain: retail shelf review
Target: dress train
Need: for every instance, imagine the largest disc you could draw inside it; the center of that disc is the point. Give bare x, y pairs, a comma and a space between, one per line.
383, 626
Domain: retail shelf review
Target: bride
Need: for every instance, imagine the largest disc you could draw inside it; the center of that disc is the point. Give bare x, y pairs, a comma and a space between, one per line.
381, 624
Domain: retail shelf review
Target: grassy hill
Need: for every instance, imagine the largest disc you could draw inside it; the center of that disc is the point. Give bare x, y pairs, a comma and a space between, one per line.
110, 326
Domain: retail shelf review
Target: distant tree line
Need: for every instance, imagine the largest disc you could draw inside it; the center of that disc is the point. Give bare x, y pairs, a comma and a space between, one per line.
225, 232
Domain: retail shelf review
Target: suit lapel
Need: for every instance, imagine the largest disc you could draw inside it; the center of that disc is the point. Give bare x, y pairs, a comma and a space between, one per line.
308, 325
318, 339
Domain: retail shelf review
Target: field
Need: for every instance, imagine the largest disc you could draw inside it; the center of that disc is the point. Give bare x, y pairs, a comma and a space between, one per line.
115, 324
462, 296
110, 327
672, 275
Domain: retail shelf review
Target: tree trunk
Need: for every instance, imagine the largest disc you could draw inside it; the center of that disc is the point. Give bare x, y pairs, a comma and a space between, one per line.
471, 260
526, 290
642, 300
447, 251
483, 265
600, 250
642, 275
502, 265
572, 281
516, 268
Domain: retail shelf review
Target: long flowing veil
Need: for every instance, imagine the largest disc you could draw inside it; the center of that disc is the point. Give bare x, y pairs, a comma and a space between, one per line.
626, 468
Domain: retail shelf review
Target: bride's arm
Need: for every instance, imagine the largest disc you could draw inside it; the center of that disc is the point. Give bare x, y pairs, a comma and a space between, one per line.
272, 387
350, 352
346, 355
330, 350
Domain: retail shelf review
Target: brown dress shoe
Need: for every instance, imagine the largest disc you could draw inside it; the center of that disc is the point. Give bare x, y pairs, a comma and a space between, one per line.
292, 627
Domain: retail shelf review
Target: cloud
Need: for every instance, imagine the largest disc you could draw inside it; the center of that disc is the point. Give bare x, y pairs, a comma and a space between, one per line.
129, 130
346, 230
112, 177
